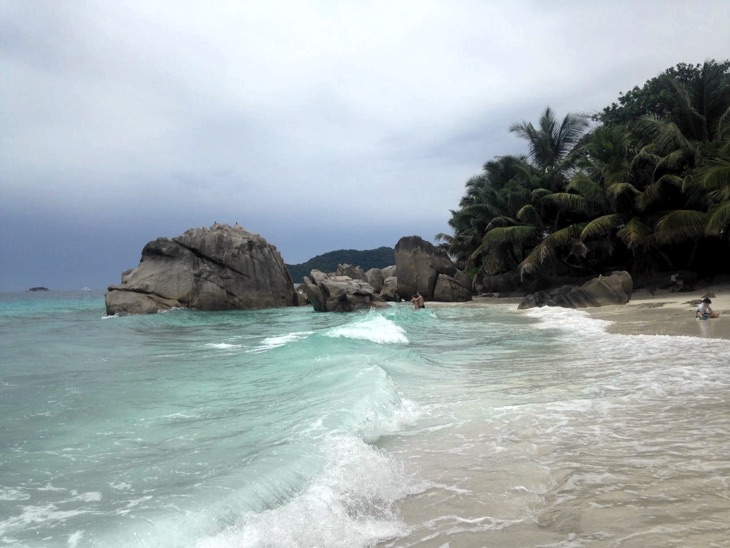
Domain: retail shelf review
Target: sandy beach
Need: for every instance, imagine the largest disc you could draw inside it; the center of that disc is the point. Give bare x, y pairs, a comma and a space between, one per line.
668, 313
662, 312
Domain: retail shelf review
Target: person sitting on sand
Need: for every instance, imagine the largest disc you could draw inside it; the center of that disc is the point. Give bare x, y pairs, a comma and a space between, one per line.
417, 301
704, 311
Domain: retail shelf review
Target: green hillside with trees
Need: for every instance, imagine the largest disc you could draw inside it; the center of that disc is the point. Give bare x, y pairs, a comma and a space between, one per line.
644, 185
367, 259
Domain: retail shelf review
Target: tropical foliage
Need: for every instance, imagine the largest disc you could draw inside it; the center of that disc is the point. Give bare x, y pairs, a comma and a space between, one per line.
643, 186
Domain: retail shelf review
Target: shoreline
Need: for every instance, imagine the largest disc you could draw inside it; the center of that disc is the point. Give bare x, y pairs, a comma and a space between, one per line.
662, 312
668, 313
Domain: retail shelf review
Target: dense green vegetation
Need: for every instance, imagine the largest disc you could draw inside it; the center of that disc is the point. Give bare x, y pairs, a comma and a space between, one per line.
370, 258
644, 186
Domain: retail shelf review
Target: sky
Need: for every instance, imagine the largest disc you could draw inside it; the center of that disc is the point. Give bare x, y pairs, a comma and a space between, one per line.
319, 125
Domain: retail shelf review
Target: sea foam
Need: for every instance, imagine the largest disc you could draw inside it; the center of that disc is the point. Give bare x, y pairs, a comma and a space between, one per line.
270, 343
350, 503
577, 322
374, 328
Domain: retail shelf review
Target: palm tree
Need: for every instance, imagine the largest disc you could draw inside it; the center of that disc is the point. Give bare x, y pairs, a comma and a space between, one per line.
491, 201
647, 194
689, 187
553, 146
548, 219
609, 177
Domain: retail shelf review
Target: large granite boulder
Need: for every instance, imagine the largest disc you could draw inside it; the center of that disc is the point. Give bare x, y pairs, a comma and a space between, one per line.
389, 271
390, 289
615, 288
220, 268
428, 270
332, 293
448, 290
351, 271
375, 278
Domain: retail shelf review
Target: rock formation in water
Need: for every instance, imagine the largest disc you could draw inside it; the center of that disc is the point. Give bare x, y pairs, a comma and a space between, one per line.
422, 267
351, 271
220, 268
333, 293
375, 278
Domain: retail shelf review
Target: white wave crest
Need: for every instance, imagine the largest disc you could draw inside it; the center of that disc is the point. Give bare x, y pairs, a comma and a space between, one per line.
577, 322
375, 328
350, 503
223, 346
270, 343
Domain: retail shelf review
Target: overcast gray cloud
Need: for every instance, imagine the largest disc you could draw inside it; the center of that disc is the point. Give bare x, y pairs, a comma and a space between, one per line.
320, 125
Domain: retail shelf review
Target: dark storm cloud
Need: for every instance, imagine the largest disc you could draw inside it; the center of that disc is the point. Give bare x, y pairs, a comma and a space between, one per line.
319, 125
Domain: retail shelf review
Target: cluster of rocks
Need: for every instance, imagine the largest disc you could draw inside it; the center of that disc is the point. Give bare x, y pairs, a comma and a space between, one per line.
420, 268
423, 268
566, 292
229, 268
340, 292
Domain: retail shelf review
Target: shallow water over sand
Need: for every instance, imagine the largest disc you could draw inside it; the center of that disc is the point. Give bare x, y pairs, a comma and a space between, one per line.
600, 440
447, 426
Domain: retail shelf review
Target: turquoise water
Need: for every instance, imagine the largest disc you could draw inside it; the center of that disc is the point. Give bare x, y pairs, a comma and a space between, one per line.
449, 426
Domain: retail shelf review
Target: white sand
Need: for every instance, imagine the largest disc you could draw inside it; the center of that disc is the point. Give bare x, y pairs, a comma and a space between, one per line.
667, 313
660, 313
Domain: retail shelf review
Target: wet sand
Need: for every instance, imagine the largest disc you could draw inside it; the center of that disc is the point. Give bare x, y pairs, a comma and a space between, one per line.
662, 312
668, 313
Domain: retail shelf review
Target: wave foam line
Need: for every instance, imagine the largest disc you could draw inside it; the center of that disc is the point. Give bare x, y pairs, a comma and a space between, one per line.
374, 328
270, 343
349, 504
578, 322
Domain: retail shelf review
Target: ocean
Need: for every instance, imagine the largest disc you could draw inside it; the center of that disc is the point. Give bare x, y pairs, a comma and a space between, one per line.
452, 426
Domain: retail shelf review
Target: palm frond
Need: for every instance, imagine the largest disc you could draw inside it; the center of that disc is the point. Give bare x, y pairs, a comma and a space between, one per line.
616, 190
680, 225
588, 188
547, 248
635, 234
717, 181
665, 135
691, 122
494, 250
673, 180
675, 159
552, 142
647, 154
500, 222
723, 126
602, 226
529, 215
519, 234
534, 260
653, 192
540, 193
568, 202
718, 221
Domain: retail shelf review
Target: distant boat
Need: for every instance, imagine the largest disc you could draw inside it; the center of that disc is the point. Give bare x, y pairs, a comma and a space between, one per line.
85, 289
38, 289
